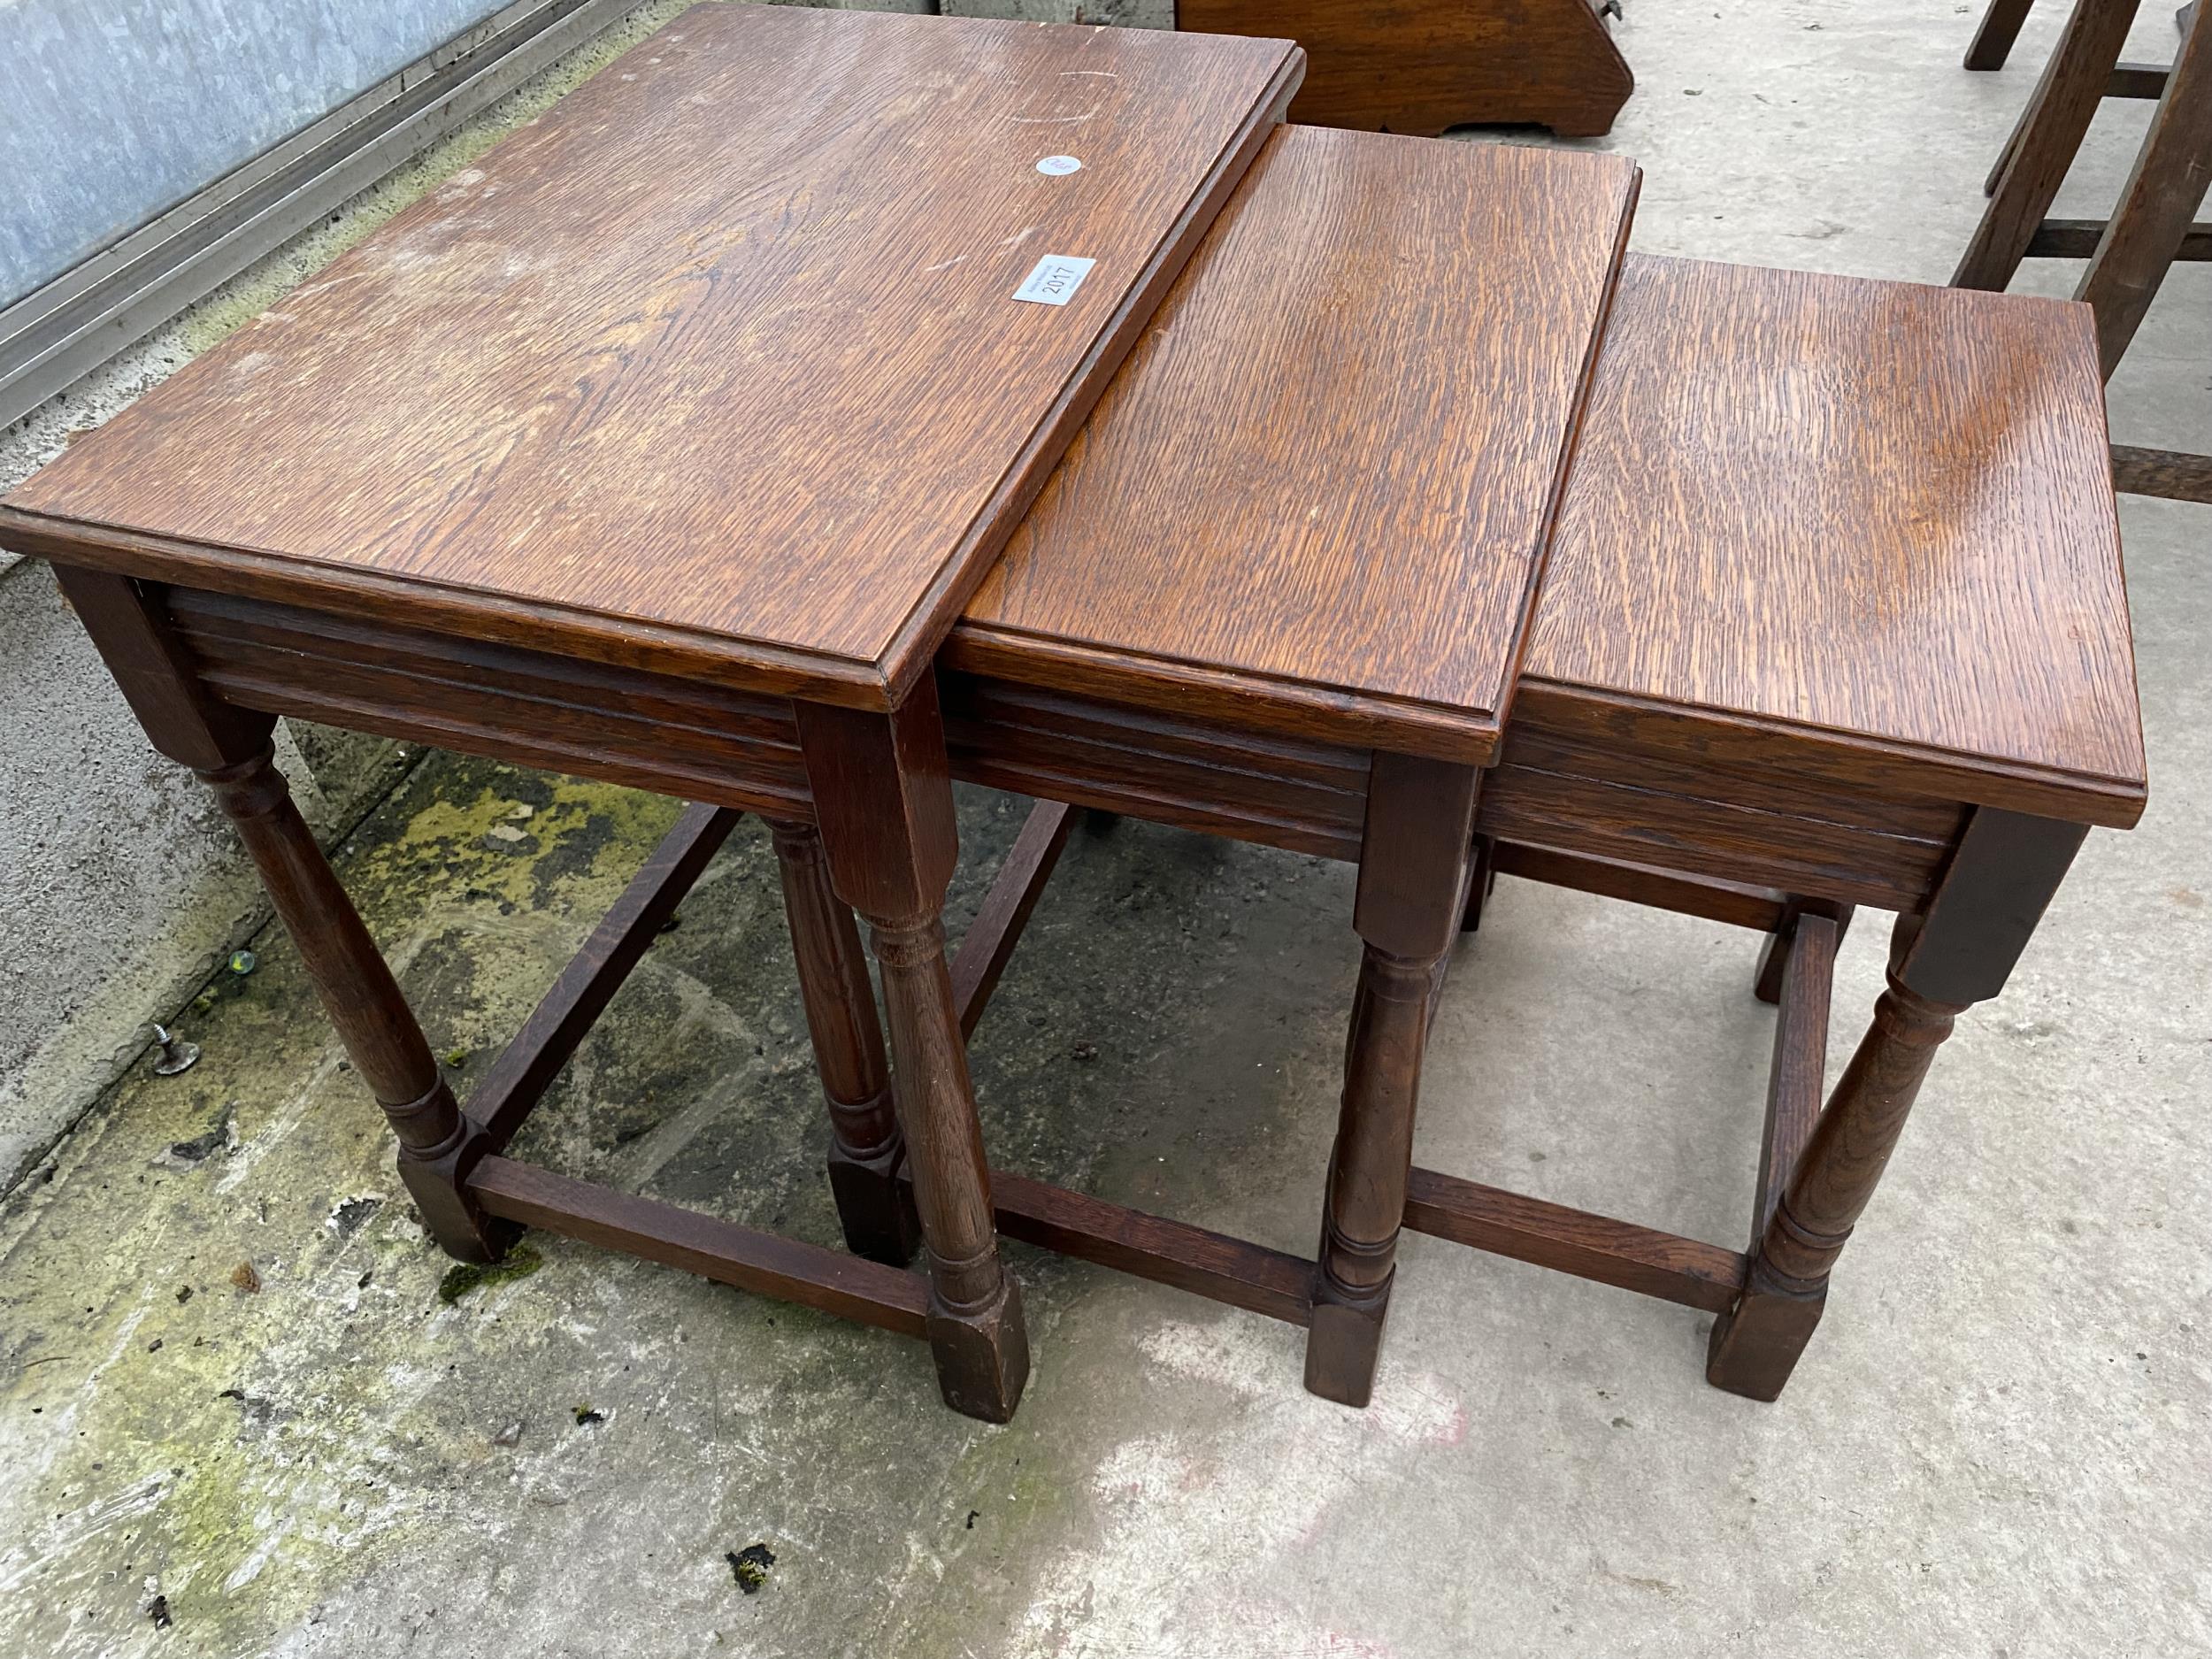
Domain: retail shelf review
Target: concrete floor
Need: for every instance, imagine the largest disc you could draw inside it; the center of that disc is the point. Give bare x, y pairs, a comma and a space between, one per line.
1997, 1445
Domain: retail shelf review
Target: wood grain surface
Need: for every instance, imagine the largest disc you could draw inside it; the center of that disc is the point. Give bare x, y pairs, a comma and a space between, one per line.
1197, 774
678, 737
1824, 507
717, 366
1317, 494
2176, 474
1196, 1259
1421, 66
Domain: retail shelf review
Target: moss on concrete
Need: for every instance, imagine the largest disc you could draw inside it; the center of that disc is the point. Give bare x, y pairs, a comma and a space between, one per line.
241, 1451
263, 1462
463, 1276
163, 893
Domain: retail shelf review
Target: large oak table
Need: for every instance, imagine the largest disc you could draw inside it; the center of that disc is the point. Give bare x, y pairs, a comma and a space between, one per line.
664, 445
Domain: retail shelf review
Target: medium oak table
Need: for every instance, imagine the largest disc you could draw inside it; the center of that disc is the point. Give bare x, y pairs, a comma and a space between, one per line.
1314, 507
663, 445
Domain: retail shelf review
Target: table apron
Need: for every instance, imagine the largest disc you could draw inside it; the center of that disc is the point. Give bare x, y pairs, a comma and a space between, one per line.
1772, 826
1775, 827
625, 726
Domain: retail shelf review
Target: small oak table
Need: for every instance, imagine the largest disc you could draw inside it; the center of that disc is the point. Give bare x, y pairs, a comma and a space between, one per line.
663, 445
1835, 615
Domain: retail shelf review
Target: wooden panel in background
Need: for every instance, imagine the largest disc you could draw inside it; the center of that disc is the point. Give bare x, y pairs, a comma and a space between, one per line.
715, 366
1421, 66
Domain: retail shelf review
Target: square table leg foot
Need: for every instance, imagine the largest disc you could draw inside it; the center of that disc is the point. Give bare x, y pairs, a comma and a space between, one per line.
436, 1179
1755, 1344
875, 1207
1344, 1344
982, 1353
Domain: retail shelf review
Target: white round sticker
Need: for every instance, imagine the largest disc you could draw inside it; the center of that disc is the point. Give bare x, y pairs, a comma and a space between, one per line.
1058, 167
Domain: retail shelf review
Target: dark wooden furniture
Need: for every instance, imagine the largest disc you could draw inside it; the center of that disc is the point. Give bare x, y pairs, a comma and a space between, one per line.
1993, 36
2000, 29
1422, 65
1847, 622
2155, 223
664, 446
1834, 616
1328, 554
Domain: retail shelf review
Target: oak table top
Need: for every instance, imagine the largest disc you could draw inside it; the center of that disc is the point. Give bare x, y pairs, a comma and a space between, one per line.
1855, 514
1318, 493
717, 367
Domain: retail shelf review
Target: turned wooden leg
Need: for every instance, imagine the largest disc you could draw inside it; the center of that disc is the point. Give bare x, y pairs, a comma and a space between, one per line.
229, 748
1413, 861
867, 1152
438, 1143
975, 1317
884, 800
2002, 873
1755, 1346
1368, 1169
